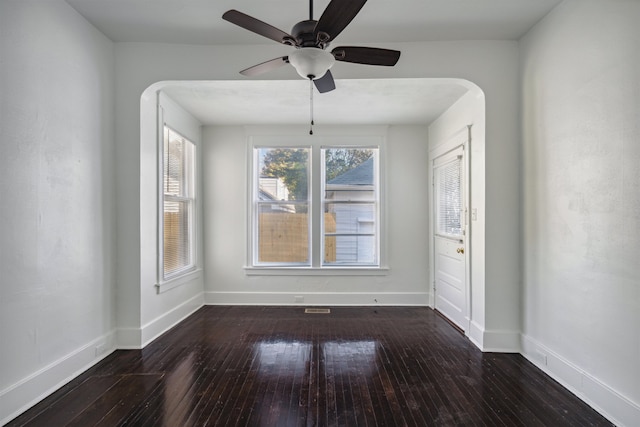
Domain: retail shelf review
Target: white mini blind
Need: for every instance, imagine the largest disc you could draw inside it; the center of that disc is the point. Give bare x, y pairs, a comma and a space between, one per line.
178, 190
449, 198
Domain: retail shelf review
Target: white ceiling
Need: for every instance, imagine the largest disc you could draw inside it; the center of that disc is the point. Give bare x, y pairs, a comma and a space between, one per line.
253, 101
199, 21
374, 101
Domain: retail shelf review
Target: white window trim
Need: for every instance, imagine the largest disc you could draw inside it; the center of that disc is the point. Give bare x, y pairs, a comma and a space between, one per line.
188, 127
375, 140
376, 202
253, 227
182, 279
317, 271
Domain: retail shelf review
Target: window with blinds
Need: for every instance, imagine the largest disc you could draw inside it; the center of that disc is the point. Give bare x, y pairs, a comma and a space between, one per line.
179, 199
449, 198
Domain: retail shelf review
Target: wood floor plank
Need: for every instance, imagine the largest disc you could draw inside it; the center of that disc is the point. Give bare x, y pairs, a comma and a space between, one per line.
119, 402
276, 366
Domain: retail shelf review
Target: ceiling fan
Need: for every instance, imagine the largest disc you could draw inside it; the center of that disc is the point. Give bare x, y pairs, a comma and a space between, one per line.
311, 38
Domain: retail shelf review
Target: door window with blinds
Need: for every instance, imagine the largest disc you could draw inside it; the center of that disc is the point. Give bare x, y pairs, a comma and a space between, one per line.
448, 197
178, 189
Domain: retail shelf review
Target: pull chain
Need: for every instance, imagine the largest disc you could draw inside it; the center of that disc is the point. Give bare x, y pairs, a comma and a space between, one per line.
311, 105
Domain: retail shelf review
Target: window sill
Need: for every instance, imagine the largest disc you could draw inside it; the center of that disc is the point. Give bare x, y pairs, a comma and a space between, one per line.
316, 271
178, 281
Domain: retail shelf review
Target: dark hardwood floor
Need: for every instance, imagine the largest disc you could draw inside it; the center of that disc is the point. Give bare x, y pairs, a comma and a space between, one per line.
276, 366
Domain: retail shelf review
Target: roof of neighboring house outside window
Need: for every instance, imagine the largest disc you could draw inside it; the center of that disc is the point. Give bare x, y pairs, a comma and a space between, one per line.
360, 175
265, 195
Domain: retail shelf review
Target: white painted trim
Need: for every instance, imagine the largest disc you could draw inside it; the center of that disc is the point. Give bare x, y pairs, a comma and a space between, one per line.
475, 334
129, 338
179, 281
258, 137
617, 408
22, 395
168, 320
318, 298
316, 271
171, 114
500, 341
137, 338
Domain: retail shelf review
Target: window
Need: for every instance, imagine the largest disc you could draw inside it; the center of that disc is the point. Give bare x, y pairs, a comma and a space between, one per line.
315, 206
350, 206
178, 189
449, 198
282, 206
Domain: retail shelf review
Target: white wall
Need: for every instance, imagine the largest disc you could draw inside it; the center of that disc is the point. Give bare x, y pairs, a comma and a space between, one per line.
581, 154
57, 212
404, 159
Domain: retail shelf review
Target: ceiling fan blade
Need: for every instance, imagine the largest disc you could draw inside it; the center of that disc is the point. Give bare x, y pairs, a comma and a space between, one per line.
366, 55
325, 83
263, 67
337, 15
255, 25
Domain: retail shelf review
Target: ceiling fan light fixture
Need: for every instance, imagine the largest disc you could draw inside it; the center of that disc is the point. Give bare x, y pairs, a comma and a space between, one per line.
311, 62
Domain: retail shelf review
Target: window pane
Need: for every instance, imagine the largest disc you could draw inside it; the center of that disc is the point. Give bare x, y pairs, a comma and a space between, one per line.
449, 198
179, 191
283, 173
283, 233
177, 248
349, 173
282, 191
350, 250
178, 153
350, 206
350, 233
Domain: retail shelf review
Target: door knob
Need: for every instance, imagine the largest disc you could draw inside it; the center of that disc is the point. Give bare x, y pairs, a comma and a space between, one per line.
460, 250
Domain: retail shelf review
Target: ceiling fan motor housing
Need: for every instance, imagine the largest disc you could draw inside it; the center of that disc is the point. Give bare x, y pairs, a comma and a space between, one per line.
303, 33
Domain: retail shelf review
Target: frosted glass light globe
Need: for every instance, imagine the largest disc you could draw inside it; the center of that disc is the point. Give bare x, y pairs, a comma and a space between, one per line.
311, 62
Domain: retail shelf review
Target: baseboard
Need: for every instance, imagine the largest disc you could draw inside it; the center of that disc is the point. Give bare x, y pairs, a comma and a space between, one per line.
318, 298
615, 407
493, 341
22, 395
129, 338
168, 320
475, 334
501, 341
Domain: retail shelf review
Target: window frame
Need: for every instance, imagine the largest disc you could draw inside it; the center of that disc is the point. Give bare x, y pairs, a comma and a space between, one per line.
371, 139
375, 202
453, 158
256, 203
190, 198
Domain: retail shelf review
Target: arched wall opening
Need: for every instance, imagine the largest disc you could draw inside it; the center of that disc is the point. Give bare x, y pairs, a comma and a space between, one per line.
415, 117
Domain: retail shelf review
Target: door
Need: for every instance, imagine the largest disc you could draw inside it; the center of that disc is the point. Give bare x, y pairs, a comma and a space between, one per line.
449, 236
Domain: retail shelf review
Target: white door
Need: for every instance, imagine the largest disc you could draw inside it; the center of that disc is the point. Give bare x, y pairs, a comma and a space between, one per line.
449, 236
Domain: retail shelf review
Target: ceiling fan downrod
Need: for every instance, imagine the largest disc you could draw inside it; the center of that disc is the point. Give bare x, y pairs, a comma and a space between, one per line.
311, 106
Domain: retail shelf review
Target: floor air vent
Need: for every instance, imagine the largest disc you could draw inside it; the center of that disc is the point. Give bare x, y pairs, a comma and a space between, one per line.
317, 310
